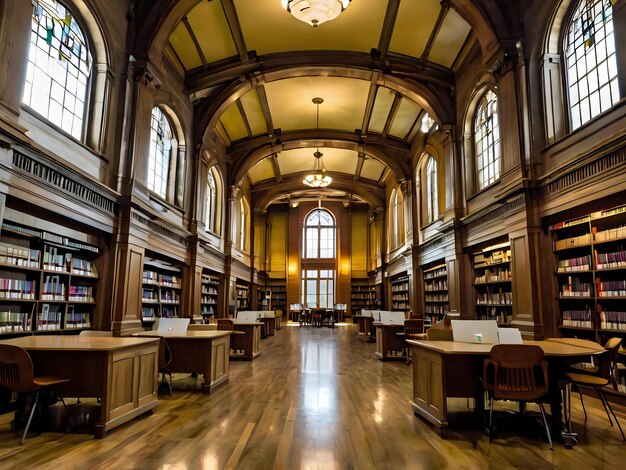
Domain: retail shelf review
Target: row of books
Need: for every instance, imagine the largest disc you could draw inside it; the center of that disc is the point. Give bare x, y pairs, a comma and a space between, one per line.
437, 309
152, 277
435, 273
209, 290
404, 286
58, 239
17, 289
75, 320
581, 263
613, 233
498, 256
500, 316
53, 289
83, 267
53, 261
611, 288
439, 284
207, 310
169, 297
572, 242
494, 275
577, 318
615, 259
576, 288
18, 256
397, 297
400, 305
81, 294
48, 319
436, 298
499, 297
14, 322
610, 320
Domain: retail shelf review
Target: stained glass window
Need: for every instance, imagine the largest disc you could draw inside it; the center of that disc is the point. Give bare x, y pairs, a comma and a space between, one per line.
161, 138
487, 139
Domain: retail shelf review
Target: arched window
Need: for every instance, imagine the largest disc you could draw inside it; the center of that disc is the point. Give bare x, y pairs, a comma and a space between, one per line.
487, 140
211, 202
319, 235
394, 213
590, 61
161, 139
59, 66
431, 189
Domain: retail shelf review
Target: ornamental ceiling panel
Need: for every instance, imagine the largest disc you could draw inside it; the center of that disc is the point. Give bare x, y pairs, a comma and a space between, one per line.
268, 28
262, 171
381, 108
405, 118
372, 169
291, 105
254, 112
453, 34
413, 26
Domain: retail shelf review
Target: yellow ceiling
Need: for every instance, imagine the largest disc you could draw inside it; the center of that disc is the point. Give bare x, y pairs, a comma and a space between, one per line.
408, 37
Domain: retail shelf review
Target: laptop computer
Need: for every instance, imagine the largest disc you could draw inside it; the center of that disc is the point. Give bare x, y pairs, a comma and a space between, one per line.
247, 317
510, 336
392, 318
173, 325
475, 331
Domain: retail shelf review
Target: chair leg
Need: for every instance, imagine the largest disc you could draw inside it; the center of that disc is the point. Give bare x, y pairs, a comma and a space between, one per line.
601, 393
604, 403
582, 402
30, 418
490, 428
545, 424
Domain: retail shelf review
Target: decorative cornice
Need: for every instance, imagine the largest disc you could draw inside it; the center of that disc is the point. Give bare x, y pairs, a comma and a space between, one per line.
159, 229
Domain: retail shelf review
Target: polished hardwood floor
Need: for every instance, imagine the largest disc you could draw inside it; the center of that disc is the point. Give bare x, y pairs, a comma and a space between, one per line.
313, 399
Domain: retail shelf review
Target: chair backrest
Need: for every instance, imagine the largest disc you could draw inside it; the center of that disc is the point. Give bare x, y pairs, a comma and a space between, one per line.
225, 324
439, 334
96, 333
516, 372
413, 327
613, 345
16, 369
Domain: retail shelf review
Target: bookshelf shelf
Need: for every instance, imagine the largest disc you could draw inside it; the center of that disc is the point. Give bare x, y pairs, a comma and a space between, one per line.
274, 296
209, 294
363, 296
596, 259
160, 296
242, 295
493, 283
436, 302
400, 299
47, 282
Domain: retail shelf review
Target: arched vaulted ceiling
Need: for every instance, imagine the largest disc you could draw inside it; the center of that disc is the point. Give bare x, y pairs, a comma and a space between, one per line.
382, 67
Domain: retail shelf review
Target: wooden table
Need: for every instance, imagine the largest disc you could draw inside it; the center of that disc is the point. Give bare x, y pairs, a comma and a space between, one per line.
365, 326
121, 372
449, 369
202, 352
249, 342
388, 342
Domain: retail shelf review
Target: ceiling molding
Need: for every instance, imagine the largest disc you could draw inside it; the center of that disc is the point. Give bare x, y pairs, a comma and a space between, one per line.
277, 175
387, 30
265, 106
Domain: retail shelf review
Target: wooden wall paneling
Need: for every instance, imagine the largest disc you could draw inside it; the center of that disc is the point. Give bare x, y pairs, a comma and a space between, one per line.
294, 232
127, 288
344, 266
15, 27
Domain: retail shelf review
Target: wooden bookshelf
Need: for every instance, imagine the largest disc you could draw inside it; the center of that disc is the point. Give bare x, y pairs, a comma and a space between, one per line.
276, 296
161, 289
590, 256
210, 290
362, 296
243, 295
493, 283
48, 282
400, 299
436, 303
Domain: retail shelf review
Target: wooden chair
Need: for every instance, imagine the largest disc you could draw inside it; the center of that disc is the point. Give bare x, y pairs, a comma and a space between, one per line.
516, 372
17, 375
439, 334
596, 381
413, 329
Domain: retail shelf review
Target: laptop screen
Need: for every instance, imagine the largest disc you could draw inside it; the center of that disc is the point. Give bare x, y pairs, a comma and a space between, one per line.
475, 331
173, 325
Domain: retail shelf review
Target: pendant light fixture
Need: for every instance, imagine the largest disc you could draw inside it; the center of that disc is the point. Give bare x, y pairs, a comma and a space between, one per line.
318, 177
315, 12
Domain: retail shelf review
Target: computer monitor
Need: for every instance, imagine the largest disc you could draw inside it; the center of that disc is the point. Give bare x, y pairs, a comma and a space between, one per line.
475, 331
173, 325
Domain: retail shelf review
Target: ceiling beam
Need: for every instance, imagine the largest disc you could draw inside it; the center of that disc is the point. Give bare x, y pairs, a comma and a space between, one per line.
392, 114
359, 166
276, 167
235, 29
195, 41
265, 106
433, 34
244, 117
387, 29
369, 106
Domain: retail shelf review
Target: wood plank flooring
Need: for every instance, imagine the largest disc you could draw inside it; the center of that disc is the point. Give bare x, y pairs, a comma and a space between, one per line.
313, 399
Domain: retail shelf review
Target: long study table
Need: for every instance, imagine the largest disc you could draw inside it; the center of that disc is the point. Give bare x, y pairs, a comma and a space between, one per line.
449, 369
203, 352
121, 372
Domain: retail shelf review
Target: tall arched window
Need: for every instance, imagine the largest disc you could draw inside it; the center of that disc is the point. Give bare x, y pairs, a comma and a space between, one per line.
590, 61
161, 138
59, 66
431, 189
394, 214
319, 235
243, 223
487, 140
211, 202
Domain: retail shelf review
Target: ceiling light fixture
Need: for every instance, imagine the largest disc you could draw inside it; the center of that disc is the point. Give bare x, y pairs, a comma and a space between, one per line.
315, 12
318, 177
